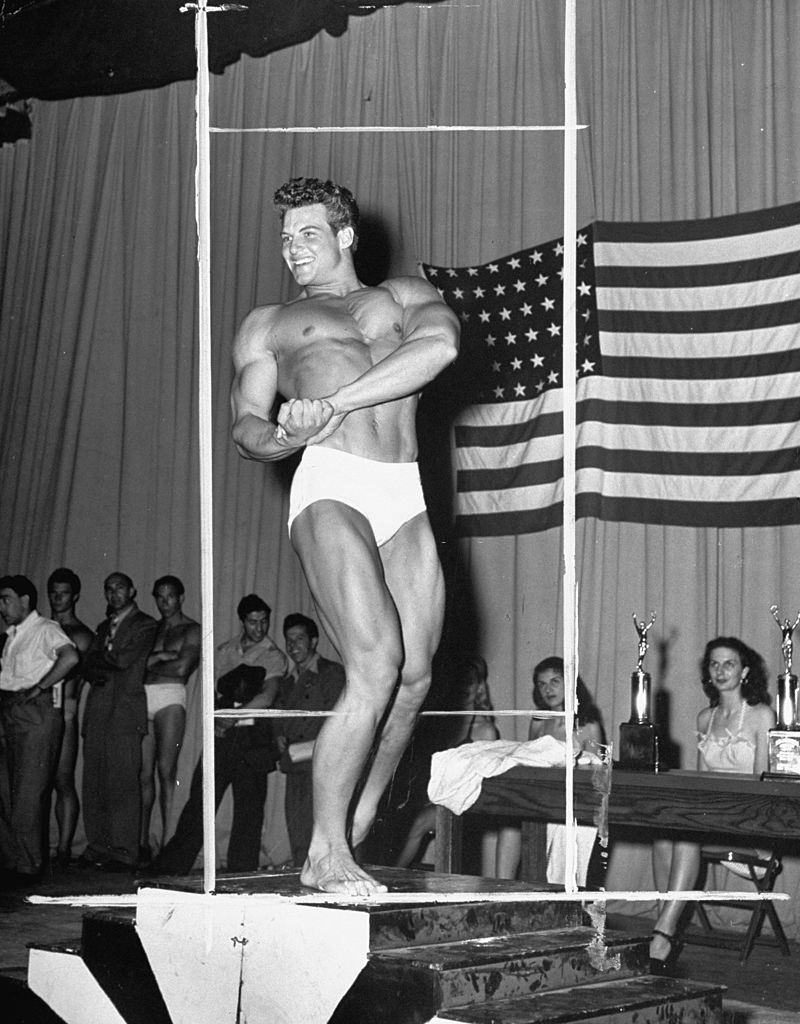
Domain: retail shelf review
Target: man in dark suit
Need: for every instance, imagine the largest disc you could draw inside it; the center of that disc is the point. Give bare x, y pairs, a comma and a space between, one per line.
115, 720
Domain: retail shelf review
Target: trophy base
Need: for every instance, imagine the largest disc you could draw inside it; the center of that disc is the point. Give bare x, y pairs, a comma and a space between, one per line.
638, 747
784, 754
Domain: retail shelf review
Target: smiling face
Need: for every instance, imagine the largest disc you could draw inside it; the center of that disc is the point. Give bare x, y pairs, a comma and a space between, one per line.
313, 251
299, 645
725, 669
255, 626
549, 684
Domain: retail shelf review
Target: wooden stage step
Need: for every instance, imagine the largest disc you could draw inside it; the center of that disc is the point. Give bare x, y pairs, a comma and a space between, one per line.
441, 957
413, 984
643, 1000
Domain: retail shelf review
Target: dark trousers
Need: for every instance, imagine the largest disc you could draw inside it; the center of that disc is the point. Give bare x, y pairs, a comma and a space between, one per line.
112, 799
299, 809
236, 764
31, 740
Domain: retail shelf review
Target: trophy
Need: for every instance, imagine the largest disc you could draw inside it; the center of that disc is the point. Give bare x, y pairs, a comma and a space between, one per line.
638, 738
784, 738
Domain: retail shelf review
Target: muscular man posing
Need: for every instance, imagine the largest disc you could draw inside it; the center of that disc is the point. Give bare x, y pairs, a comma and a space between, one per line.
350, 362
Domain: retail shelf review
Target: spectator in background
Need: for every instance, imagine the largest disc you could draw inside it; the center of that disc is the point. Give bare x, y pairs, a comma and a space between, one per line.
313, 684
114, 722
175, 656
732, 736
548, 695
248, 669
37, 656
63, 591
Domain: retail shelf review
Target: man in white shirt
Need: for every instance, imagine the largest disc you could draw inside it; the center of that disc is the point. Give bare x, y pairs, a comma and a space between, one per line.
36, 656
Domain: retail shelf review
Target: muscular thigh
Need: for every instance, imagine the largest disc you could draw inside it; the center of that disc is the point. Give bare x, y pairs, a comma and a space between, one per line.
345, 574
414, 578
168, 726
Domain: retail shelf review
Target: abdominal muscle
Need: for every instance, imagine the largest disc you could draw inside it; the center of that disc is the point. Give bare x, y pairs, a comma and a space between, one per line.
385, 433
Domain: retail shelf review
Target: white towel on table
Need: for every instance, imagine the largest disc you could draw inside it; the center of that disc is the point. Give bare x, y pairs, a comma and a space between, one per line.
458, 773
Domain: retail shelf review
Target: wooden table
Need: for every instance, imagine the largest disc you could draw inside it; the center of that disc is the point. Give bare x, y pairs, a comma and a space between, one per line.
708, 806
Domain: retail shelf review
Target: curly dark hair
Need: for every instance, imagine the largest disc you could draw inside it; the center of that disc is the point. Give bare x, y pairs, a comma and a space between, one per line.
587, 711
754, 686
340, 207
64, 575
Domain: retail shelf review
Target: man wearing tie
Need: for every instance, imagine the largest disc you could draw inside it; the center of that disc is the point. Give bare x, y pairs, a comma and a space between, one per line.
115, 720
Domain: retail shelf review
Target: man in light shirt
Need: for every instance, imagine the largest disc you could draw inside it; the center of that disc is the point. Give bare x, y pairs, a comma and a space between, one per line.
36, 657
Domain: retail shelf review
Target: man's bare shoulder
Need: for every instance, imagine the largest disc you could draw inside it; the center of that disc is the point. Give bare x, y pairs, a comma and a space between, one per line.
255, 331
79, 633
189, 629
411, 290
261, 332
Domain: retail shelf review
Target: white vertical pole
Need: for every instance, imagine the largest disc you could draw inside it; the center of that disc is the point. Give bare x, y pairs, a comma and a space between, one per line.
568, 371
203, 217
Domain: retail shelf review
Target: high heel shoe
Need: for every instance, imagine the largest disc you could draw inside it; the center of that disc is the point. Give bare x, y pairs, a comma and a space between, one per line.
666, 966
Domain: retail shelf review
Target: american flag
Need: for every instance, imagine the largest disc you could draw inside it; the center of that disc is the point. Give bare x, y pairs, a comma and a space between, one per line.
507, 383
688, 394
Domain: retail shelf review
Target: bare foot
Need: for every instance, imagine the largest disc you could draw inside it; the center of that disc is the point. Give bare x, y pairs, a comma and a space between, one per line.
336, 871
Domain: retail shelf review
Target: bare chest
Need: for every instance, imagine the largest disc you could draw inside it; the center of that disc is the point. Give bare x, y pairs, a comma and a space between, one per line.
365, 324
170, 638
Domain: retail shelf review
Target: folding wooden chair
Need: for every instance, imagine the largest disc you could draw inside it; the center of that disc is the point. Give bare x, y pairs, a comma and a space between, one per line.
762, 871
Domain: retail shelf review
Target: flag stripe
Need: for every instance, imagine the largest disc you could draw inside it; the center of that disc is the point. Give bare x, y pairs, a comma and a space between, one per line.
694, 296
695, 395
664, 414
734, 438
717, 514
654, 471
770, 364
688, 390
701, 321
740, 488
762, 226
690, 346
529, 474
503, 524
763, 268
737, 440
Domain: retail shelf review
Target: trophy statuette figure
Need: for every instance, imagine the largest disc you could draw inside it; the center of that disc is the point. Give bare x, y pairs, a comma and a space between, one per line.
784, 738
638, 738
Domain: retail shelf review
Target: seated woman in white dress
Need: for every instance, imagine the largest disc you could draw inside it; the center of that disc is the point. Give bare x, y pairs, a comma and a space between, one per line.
732, 737
548, 695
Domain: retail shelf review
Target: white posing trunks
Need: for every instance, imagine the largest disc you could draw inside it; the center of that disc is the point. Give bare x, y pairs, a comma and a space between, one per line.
388, 494
162, 695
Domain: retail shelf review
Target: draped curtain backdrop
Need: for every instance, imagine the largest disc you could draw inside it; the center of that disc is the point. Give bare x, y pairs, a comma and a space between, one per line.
690, 113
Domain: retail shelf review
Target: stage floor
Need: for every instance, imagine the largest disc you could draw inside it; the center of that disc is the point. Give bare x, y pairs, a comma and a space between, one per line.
767, 979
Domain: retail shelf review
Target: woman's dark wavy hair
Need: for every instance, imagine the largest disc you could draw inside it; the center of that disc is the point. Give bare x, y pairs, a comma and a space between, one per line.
587, 710
341, 208
754, 687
